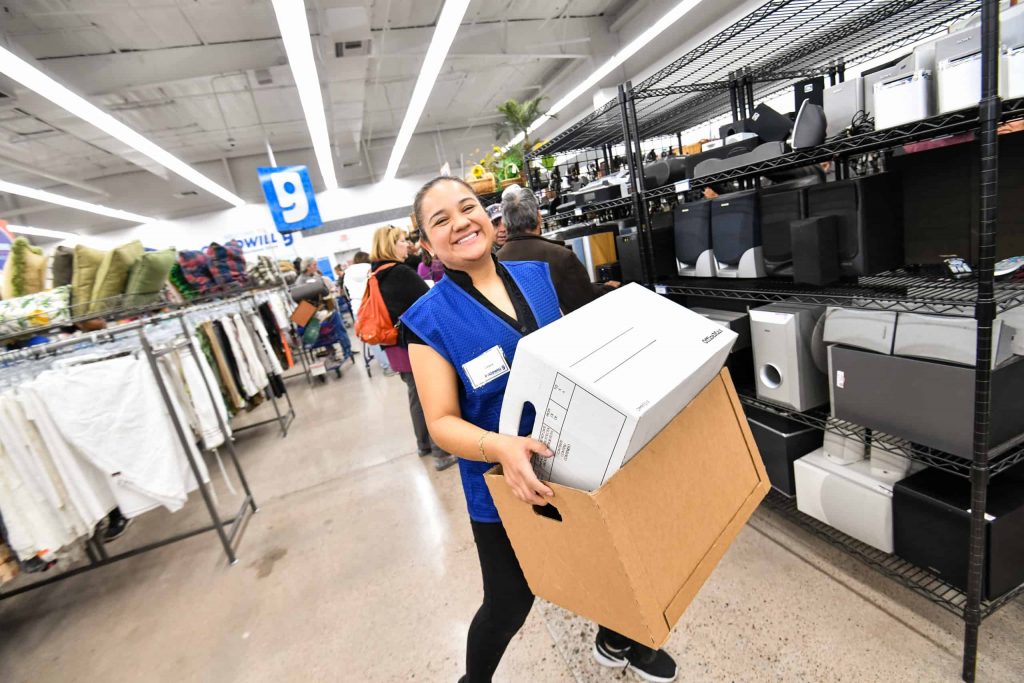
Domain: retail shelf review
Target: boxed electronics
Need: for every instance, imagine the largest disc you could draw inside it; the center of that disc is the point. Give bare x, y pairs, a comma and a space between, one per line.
781, 442
784, 355
591, 409
862, 329
950, 338
632, 554
846, 497
932, 528
926, 402
737, 321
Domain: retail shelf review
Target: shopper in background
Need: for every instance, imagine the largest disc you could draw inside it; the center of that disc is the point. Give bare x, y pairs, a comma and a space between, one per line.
400, 287
356, 276
523, 222
414, 258
430, 268
468, 325
500, 233
310, 274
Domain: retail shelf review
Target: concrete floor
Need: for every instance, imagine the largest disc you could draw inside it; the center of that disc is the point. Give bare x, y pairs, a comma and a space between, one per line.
360, 566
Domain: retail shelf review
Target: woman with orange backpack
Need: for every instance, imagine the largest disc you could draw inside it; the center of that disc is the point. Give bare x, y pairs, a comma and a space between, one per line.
399, 286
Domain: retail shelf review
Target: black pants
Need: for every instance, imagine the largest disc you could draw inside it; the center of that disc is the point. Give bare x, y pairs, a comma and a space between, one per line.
507, 602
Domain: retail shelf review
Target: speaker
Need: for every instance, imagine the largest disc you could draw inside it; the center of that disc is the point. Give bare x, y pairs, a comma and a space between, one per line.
694, 255
656, 174
779, 208
810, 90
809, 127
770, 125
781, 442
736, 235
663, 240
744, 126
815, 250
870, 214
841, 104
931, 520
846, 497
782, 337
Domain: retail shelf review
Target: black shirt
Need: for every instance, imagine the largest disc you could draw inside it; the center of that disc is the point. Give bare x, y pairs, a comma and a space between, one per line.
524, 322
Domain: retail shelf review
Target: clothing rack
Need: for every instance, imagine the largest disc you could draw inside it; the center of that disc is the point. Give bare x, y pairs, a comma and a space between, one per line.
228, 530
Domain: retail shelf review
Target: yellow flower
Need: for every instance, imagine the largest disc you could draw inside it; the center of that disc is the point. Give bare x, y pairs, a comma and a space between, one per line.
478, 171
497, 149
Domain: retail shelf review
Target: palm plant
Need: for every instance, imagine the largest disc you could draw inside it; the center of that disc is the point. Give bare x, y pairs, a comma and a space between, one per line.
518, 117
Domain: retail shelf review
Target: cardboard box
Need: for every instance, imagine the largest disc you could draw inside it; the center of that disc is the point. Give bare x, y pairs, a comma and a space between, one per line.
608, 377
632, 555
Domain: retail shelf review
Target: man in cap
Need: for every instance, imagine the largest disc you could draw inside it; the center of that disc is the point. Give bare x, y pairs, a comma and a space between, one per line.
500, 234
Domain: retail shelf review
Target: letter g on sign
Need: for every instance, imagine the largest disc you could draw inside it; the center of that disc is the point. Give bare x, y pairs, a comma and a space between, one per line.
290, 197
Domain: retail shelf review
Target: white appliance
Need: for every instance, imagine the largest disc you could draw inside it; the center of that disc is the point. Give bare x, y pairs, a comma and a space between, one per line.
950, 338
903, 99
921, 59
843, 450
842, 102
1011, 69
781, 335
958, 65
712, 144
846, 497
860, 328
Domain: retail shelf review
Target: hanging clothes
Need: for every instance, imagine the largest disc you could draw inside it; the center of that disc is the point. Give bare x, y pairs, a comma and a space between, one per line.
264, 341
257, 371
213, 335
226, 330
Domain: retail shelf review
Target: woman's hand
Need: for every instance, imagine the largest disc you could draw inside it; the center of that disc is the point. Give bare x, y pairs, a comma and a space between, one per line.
514, 453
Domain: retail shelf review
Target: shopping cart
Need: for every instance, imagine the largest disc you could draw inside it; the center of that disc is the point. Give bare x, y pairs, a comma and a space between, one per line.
323, 357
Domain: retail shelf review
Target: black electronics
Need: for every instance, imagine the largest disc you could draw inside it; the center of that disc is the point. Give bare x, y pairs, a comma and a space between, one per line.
870, 213
730, 156
815, 250
809, 127
781, 441
770, 125
744, 126
812, 90
656, 174
931, 528
694, 255
663, 240
603, 193
779, 208
609, 271
736, 235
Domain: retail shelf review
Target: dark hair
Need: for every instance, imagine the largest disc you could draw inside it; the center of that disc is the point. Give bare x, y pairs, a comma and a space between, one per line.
427, 259
361, 257
417, 203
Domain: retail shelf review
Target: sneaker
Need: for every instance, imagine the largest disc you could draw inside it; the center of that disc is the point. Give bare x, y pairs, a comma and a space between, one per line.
651, 665
425, 453
606, 655
116, 529
443, 462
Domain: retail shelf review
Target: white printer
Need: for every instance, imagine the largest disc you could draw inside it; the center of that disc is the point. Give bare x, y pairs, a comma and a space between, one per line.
904, 92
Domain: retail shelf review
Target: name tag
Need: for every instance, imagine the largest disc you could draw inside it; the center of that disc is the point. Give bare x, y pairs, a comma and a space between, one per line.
487, 367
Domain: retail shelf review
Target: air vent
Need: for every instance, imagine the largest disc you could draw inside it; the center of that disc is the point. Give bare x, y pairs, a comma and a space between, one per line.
263, 77
352, 48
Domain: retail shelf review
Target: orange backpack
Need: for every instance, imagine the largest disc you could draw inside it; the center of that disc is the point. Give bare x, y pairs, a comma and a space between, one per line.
373, 322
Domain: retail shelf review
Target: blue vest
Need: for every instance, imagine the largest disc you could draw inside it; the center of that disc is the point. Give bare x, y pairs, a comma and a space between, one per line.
460, 328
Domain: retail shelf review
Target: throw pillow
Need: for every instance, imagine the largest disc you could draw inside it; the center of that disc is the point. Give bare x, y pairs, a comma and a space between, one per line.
112, 276
83, 276
25, 270
62, 266
147, 277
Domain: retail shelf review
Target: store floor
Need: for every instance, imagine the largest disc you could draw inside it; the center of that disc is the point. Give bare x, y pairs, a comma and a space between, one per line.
360, 566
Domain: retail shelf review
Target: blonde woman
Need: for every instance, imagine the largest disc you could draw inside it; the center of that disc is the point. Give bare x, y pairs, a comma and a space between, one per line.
401, 286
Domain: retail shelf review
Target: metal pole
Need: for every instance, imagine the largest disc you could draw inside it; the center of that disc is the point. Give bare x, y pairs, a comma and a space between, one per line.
984, 313
643, 225
183, 437
734, 101
748, 86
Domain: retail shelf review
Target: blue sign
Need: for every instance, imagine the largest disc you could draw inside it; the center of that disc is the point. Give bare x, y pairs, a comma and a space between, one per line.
6, 239
290, 197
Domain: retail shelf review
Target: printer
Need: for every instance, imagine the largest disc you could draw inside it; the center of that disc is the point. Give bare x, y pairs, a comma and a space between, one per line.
905, 91
614, 186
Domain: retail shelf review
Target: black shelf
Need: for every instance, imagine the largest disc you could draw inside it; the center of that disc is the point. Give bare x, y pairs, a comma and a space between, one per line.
1002, 457
937, 126
920, 581
893, 291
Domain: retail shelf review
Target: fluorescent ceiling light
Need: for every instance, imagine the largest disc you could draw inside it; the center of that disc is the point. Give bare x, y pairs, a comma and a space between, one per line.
44, 196
444, 33
41, 232
37, 81
291, 19
616, 60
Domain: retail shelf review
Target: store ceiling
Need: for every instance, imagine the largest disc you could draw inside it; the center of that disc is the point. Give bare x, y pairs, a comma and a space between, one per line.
208, 81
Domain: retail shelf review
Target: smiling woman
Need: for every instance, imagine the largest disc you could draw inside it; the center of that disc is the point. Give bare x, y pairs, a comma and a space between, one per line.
462, 338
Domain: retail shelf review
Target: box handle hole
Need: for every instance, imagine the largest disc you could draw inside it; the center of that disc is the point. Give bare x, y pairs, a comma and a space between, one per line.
549, 511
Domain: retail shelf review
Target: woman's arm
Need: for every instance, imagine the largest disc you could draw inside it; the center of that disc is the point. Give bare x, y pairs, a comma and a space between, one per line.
437, 385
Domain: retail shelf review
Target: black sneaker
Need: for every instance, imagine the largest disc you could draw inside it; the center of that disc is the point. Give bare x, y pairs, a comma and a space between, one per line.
117, 525
651, 665
606, 655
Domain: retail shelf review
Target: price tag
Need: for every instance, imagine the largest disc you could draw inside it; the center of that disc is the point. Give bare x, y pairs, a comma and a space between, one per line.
682, 186
660, 289
579, 212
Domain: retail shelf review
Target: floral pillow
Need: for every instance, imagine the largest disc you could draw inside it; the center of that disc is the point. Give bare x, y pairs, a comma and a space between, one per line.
50, 307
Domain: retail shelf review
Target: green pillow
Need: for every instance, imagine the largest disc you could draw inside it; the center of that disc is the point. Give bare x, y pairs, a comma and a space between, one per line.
112, 276
83, 277
148, 276
25, 270
62, 266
